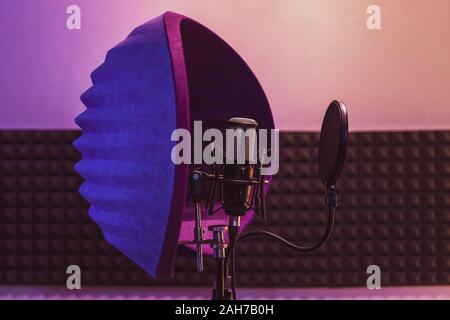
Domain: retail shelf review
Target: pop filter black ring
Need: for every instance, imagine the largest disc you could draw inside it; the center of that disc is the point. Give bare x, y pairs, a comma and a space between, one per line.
330, 173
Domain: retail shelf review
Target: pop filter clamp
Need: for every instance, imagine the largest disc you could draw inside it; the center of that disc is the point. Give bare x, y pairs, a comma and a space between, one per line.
332, 153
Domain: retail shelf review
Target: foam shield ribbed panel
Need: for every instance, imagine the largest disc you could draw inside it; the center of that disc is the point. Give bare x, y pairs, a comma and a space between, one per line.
126, 147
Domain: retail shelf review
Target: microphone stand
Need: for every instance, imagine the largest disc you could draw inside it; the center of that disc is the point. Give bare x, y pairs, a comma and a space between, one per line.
222, 253
250, 195
217, 243
219, 246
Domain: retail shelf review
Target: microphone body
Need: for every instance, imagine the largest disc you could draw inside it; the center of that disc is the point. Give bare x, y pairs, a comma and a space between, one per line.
237, 195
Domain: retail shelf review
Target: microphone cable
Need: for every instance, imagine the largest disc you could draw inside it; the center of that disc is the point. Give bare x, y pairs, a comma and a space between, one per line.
273, 236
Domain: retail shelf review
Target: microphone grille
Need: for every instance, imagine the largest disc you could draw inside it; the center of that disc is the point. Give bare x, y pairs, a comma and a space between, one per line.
248, 137
243, 123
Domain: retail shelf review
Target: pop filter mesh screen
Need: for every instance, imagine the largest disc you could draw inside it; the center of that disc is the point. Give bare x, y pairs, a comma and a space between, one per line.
332, 145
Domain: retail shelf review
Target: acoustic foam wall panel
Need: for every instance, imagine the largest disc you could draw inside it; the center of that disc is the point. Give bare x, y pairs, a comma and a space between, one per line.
168, 73
395, 212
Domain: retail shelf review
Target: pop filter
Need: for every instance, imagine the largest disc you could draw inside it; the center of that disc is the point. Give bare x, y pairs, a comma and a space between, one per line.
333, 143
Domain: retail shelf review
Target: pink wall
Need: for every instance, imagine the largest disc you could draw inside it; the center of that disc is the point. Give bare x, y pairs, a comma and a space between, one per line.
304, 52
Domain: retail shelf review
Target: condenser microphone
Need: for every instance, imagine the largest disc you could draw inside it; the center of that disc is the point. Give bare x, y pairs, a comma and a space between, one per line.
240, 165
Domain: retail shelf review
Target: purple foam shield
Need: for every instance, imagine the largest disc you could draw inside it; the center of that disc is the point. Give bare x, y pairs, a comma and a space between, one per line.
169, 72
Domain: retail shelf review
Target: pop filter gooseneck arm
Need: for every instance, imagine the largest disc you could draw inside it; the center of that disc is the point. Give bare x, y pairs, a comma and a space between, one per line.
283, 241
